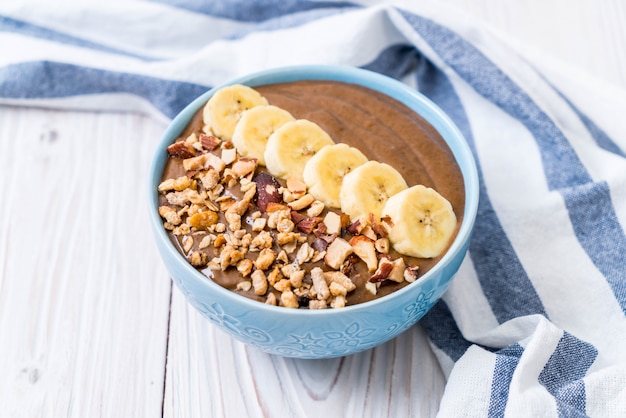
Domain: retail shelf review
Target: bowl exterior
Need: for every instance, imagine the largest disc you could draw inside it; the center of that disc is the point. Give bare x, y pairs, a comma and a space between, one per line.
324, 333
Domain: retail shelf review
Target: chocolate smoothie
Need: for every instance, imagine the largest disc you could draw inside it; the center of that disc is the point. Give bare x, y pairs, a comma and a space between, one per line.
381, 128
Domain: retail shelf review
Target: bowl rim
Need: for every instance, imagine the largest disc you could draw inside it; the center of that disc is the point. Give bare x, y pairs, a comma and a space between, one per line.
354, 75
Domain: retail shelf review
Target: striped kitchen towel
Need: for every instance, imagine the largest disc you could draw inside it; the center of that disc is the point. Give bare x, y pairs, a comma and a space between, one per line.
535, 322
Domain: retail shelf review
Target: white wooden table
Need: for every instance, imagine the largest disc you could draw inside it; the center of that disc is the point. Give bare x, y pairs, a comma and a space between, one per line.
90, 324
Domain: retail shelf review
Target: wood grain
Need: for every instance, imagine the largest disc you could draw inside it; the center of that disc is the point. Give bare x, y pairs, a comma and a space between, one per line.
83, 297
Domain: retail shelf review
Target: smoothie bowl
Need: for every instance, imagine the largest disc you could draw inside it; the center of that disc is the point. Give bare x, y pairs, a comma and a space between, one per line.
313, 211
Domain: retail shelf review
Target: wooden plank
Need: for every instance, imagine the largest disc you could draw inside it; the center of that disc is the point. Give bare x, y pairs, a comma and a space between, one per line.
83, 297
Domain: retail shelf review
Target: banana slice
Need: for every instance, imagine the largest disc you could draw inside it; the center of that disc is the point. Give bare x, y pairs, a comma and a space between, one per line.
255, 127
225, 107
423, 222
292, 145
324, 172
366, 189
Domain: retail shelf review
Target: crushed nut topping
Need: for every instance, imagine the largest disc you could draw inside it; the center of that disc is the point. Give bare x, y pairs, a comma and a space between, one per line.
287, 248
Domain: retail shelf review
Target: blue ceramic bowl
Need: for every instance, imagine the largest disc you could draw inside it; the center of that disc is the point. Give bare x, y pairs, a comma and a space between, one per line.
331, 332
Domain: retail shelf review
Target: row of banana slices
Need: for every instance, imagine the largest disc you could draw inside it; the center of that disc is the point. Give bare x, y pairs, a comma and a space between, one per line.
340, 176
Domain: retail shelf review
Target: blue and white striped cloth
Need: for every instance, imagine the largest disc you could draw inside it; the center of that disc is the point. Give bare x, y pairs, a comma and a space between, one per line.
535, 322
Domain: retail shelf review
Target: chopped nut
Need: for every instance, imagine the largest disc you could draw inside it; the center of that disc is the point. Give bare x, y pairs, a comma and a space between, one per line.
183, 183
271, 299
371, 287
262, 240
182, 229
332, 221
259, 282
338, 302
296, 278
364, 248
230, 256
229, 155
195, 163
244, 285
198, 259
304, 254
244, 166
166, 185
192, 138
215, 162
285, 225
258, 224
265, 259
220, 227
206, 242
289, 300
288, 269
234, 220
181, 150
187, 244
209, 142
246, 240
319, 283
180, 198
203, 220
282, 256
397, 273
267, 190
339, 278
317, 304
274, 276
219, 241
296, 187
283, 238
301, 203
318, 256
369, 233
337, 252
385, 266
287, 195
170, 215
382, 245
336, 289
308, 224
244, 267
210, 179
282, 285
410, 273
315, 209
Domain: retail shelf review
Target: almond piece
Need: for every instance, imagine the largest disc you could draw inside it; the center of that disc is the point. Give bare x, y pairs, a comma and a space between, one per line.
383, 271
209, 142
181, 150
364, 248
244, 166
229, 155
332, 221
267, 191
337, 252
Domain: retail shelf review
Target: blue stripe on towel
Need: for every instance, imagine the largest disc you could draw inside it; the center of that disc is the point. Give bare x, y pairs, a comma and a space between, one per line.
443, 331
563, 373
591, 210
507, 360
504, 281
395, 61
564, 170
47, 80
254, 11
8, 24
